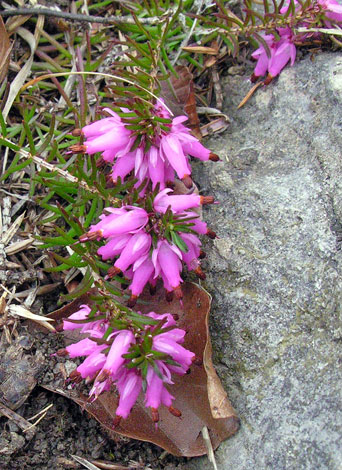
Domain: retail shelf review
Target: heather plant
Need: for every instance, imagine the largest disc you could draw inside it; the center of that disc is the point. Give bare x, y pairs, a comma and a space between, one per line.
107, 174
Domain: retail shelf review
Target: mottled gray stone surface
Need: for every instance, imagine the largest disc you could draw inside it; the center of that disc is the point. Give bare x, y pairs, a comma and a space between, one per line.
275, 271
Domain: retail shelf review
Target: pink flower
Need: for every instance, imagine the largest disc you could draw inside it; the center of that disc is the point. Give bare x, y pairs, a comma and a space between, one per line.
142, 273
144, 249
191, 256
166, 260
123, 166
85, 347
114, 360
127, 219
137, 247
333, 10
281, 52
92, 364
108, 134
129, 387
168, 344
156, 393
81, 314
114, 246
178, 203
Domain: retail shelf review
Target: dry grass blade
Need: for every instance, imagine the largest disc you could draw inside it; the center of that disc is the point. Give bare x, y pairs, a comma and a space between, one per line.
19, 80
8, 235
85, 462
23, 312
210, 450
5, 49
18, 246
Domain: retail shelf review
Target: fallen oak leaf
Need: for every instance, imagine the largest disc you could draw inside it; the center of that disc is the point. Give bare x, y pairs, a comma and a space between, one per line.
195, 320
179, 436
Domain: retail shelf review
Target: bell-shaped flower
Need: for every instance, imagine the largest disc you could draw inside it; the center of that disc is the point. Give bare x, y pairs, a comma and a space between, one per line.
130, 220
190, 257
136, 248
108, 134
121, 344
166, 259
85, 347
142, 273
93, 363
178, 203
168, 345
167, 317
123, 166
114, 246
81, 314
129, 386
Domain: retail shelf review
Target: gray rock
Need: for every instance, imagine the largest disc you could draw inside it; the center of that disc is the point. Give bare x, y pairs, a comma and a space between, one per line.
275, 271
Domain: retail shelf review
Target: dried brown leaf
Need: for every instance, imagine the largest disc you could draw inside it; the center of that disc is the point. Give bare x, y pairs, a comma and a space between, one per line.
179, 436
180, 97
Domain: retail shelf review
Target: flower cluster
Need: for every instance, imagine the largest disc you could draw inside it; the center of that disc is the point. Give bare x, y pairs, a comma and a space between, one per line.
156, 158
128, 357
150, 236
282, 49
148, 245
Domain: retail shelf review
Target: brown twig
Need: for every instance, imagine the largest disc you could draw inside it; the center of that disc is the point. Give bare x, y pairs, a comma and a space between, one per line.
110, 20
